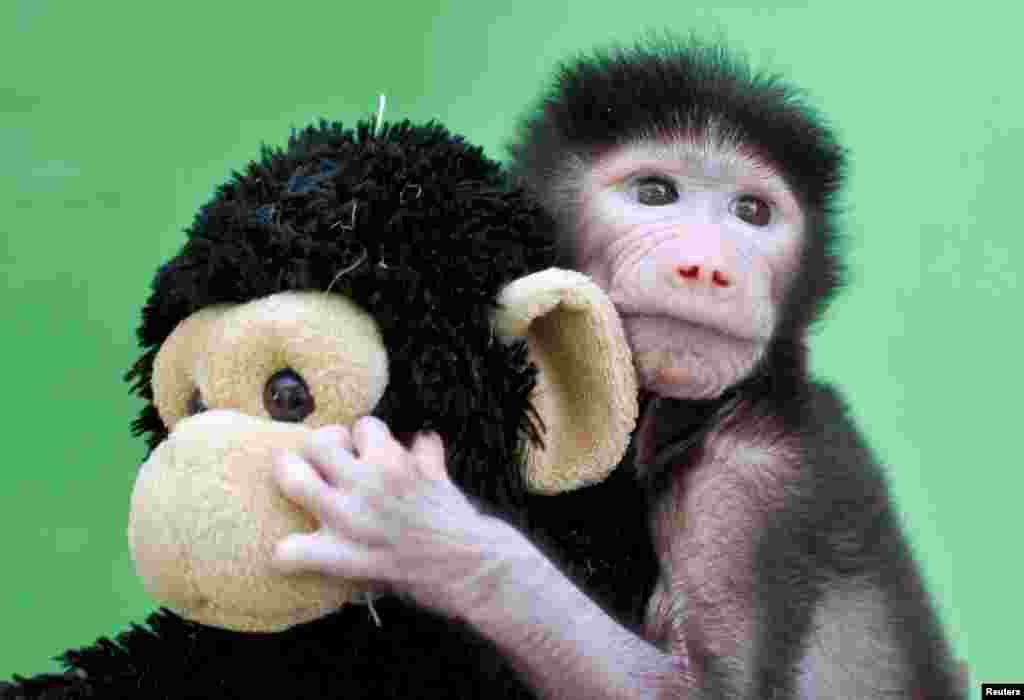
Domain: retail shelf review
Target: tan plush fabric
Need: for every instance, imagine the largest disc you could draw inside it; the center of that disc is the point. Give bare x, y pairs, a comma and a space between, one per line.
586, 393
204, 521
229, 352
205, 514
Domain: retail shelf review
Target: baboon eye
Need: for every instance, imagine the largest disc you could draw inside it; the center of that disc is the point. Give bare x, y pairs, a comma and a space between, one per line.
655, 191
287, 398
196, 404
754, 210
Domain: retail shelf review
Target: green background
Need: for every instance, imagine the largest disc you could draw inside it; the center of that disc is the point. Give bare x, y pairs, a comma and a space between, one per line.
117, 120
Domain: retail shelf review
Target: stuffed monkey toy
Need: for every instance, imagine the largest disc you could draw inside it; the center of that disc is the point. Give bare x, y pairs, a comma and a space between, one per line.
392, 272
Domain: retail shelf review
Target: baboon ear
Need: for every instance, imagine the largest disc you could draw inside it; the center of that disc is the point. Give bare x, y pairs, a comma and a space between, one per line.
586, 392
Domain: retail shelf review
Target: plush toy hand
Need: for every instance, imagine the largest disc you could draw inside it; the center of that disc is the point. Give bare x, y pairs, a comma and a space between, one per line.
388, 515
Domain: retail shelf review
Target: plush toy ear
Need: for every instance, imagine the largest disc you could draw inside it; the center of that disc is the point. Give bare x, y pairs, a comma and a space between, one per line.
586, 392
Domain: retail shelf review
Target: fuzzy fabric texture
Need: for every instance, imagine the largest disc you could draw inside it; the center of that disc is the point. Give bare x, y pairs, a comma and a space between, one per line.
412, 223
420, 227
587, 389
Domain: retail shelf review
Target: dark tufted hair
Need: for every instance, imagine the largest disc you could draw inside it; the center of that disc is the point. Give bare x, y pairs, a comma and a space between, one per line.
668, 85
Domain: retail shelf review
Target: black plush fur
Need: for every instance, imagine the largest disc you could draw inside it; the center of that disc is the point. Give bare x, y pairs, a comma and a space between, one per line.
422, 230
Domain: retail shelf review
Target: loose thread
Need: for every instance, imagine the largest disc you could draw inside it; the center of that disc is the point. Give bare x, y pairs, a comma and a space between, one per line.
380, 116
352, 224
366, 598
351, 267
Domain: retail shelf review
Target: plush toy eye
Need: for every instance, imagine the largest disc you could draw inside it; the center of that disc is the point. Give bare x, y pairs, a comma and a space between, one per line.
196, 403
287, 398
656, 192
754, 210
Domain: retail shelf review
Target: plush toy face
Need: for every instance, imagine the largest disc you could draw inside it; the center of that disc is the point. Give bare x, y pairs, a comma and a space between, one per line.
267, 326
205, 514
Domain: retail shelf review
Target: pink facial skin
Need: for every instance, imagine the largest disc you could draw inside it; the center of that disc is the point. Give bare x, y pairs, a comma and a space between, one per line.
697, 284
